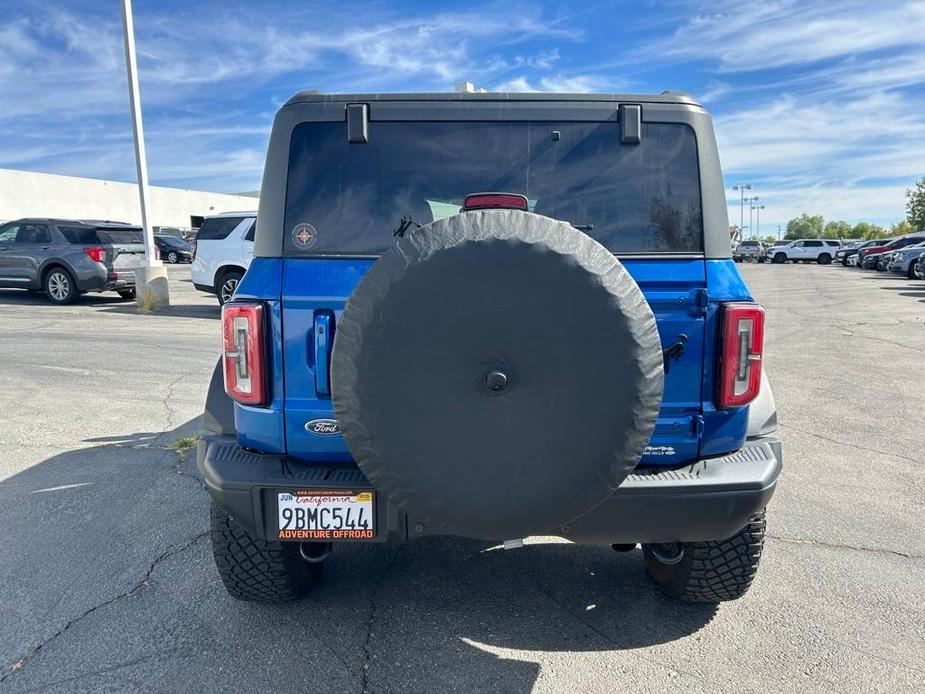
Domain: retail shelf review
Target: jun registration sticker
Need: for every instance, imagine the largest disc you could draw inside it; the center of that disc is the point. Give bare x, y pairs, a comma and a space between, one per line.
325, 514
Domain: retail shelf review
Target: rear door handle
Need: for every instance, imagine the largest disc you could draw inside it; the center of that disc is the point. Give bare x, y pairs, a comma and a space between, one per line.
323, 340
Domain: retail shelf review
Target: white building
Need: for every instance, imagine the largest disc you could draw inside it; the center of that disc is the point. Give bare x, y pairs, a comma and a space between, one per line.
30, 194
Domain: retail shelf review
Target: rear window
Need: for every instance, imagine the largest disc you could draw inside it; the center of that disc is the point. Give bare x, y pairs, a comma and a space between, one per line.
348, 199
118, 236
217, 228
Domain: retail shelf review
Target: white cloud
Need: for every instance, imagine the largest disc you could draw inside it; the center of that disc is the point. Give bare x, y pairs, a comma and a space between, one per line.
566, 84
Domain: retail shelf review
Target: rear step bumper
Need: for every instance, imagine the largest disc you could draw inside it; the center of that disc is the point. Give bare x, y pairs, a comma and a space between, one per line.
710, 499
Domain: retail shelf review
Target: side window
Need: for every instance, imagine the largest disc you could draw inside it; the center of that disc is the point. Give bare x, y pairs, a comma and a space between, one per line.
77, 234
799, 244
217, 228
814, 244
249, 236
8, 233
33, 233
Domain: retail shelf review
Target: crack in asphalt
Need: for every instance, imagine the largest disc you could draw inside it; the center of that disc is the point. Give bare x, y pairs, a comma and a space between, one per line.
371, 618
19, 664
852, 445
838, 545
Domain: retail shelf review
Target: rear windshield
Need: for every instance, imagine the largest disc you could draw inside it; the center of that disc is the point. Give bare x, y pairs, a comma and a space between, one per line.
217, 228
120, 235
348, 199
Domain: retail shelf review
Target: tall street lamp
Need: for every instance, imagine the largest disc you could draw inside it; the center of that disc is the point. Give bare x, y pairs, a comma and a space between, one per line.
742, 188
751, 207
758, 209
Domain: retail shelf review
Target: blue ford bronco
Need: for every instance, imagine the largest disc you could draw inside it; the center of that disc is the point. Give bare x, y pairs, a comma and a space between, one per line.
491, 316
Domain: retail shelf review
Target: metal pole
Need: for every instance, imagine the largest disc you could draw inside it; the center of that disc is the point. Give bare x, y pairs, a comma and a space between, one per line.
141, 161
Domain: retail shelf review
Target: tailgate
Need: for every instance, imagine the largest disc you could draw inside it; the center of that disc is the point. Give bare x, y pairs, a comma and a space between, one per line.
125, 256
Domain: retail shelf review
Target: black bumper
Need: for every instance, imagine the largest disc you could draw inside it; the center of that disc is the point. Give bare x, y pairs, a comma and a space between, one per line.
710, 499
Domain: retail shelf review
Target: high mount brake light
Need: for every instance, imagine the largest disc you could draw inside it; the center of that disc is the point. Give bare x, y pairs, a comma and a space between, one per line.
245, 359
97, 253
742, 350
487, 201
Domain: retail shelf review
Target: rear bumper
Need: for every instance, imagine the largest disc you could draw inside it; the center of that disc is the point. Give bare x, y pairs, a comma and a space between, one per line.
710, 499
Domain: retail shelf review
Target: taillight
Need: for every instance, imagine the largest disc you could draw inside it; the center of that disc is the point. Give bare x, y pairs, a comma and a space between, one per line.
97, 253
485, 201
740, 360
244, 344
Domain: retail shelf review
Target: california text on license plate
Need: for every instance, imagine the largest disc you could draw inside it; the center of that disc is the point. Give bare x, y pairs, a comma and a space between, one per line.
326, 514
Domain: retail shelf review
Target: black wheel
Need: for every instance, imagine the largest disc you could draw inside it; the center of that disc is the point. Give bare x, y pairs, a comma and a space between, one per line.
256, 570
60, 287
172, 257
780, 258
127, 294
761, 259
919, 268
712, 571
824, 259
228, 283
844, 262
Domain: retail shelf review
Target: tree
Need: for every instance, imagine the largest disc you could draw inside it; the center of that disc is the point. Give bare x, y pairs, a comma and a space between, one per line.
915, 205
805, 227
901, 228
837, 230
867, 231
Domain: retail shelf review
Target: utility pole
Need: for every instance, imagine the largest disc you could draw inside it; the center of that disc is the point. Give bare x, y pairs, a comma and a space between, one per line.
153, 277
742, 188
758, 209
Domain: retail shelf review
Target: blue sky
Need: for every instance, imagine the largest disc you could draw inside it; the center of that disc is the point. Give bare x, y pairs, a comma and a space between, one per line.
821, 105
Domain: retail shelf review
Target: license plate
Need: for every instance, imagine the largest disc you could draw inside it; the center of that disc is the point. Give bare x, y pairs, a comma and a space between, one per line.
316, 514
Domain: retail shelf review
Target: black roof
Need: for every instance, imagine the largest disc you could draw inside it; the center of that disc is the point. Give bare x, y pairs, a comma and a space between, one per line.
666, 97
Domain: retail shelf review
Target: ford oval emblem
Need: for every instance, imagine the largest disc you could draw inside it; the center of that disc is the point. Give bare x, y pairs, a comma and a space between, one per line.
322, 427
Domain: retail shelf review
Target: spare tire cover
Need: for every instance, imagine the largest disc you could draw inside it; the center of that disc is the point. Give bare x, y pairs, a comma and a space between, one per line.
415, 374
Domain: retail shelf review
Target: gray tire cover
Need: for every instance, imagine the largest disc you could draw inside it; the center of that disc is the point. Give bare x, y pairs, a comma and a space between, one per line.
508, 291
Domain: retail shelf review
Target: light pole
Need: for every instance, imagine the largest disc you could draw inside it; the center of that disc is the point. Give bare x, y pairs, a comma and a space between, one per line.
742, 188
758, 209
151, 279
751, 207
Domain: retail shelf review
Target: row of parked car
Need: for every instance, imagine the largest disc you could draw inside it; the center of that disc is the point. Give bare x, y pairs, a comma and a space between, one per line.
903, 255
64, 258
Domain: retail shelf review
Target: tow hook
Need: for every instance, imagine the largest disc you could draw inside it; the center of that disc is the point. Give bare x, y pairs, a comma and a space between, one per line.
315, 552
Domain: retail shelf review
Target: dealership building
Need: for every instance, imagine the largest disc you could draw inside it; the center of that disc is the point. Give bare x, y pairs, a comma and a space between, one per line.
31, 194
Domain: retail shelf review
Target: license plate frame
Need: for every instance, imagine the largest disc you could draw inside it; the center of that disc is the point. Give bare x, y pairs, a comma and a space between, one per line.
325, 515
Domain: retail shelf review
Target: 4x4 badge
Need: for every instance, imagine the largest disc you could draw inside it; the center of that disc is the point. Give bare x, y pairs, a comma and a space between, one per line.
322, 427
304, 235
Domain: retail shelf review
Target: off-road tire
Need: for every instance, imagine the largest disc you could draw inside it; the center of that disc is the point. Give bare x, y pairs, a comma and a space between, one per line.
257, 570
779, 258
127, 294
60, 287
824, 259
227, 284
712, 571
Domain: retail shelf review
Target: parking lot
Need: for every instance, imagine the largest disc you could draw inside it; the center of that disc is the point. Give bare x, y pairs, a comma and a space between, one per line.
107, 580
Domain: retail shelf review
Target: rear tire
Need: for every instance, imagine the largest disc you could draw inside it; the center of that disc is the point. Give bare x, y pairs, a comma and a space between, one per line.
824, 259
779, 258
60, 287
256, 570
127, 294
227, 285
712, 571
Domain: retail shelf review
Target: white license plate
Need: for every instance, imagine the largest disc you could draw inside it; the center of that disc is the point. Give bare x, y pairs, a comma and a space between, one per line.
325, 514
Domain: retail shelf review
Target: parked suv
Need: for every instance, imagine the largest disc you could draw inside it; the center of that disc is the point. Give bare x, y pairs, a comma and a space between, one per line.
803, 250
65, 258
574, 354
223, 251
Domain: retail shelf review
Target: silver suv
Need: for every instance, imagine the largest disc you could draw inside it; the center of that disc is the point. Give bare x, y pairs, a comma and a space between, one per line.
65, 258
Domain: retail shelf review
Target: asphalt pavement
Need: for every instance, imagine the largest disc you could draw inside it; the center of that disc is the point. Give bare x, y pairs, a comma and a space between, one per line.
107, 581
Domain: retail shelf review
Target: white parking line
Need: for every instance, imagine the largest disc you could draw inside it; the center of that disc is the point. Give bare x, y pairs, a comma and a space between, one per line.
63, 486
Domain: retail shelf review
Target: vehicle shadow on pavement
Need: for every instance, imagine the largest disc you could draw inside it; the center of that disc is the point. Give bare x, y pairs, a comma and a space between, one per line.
210, 311
127, 591
20, 297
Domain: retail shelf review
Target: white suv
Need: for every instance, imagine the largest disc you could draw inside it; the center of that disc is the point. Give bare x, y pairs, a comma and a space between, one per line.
223, 252
816, 250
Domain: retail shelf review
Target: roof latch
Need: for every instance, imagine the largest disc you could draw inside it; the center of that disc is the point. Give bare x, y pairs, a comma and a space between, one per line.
357, 123
630, 124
